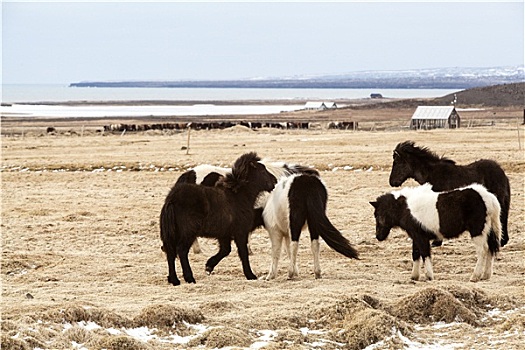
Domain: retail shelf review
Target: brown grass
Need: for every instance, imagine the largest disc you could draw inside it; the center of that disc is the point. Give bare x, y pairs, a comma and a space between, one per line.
85, 245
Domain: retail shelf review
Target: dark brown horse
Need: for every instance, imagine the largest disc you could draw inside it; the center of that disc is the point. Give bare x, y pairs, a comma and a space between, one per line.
224, 212
424, 166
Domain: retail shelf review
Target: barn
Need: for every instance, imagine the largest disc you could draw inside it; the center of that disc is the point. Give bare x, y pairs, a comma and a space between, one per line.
435, 117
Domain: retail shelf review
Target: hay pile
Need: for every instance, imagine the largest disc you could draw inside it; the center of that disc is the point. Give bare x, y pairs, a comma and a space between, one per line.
452, 304
63, 326
433, 305
360, 322
352, 323
166, 316
357, 323
221, 337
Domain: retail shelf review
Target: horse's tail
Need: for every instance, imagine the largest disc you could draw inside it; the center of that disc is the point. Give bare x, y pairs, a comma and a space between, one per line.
320, 225
494, 237
168, 227
494, 220
505, 206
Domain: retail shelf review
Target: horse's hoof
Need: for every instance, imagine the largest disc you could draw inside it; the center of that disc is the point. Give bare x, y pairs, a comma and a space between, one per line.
437, 243
251, 277
474, 279
175, 281
209, 270
190, 280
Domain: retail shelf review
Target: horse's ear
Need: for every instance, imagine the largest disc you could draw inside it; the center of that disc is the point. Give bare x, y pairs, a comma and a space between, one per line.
374, 204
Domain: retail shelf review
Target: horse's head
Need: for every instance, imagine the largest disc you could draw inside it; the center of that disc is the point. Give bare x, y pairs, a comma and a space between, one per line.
384, 213
401, 168
248, 169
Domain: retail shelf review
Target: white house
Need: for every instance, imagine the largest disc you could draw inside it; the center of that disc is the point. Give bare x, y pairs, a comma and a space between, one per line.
319, 105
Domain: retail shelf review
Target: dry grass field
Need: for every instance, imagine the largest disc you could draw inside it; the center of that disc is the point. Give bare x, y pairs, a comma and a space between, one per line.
82, 265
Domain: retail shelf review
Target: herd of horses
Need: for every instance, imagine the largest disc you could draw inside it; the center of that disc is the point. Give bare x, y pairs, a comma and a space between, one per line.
220, 125
229, 203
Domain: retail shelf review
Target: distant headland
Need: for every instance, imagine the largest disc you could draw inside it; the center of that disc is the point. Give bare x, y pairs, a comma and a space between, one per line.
438, 78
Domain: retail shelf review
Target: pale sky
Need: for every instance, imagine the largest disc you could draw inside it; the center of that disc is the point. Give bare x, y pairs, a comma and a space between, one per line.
64, 42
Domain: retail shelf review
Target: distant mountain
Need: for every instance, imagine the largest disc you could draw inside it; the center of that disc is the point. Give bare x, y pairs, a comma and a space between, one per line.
436, 78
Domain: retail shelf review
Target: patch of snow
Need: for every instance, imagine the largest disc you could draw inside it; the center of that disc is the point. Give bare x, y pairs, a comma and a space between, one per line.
141, 333
113, 331
306, 331
90, 325
267, 335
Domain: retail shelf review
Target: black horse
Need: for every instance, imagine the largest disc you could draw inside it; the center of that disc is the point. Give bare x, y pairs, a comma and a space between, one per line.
443, 174
224, 212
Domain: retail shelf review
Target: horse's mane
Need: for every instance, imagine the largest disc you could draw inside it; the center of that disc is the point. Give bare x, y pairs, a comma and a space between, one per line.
238, 176
409, 149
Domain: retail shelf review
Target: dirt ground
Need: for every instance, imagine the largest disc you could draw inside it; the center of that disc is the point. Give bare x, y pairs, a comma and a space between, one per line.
82, 265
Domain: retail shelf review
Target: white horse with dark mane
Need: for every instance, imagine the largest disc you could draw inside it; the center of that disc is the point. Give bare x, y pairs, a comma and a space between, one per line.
296, 201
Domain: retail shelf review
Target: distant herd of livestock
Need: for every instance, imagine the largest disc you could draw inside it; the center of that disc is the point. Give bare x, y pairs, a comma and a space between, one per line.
227, 204
341, 125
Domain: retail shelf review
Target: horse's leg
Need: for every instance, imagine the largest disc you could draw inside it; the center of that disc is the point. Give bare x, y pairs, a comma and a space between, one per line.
288, 250
169, 249
241, 240
480, 264
182, 252
293, 269
224, 250
429, 270
315, 251
487, 269
424, 248
276, 239
437, 243
297, 221
416, 258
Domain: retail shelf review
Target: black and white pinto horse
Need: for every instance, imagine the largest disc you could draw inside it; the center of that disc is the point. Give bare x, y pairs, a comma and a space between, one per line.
223, 212
298, 200
209, 175
425, 166
426, 215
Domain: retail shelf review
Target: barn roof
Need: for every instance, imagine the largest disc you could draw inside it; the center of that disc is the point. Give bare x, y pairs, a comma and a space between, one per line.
314, 104
433, 112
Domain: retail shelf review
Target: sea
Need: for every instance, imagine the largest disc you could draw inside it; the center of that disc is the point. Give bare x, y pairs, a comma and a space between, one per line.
26, 100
